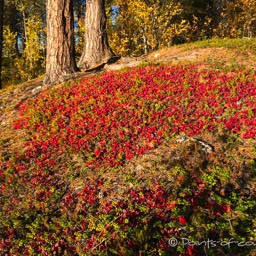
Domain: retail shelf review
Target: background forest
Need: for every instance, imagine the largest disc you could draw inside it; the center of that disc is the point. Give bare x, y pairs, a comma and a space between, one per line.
134, 28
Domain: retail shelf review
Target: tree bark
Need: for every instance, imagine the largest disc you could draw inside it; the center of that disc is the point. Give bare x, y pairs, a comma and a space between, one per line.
1, 37
60, 57
96, 49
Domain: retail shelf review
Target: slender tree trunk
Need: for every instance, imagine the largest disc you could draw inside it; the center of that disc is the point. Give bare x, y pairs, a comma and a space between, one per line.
26, 38
96, 48
145, 40
60, 57
1, 38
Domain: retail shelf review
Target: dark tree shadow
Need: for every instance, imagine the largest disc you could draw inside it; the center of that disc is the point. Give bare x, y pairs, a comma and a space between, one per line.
101, 66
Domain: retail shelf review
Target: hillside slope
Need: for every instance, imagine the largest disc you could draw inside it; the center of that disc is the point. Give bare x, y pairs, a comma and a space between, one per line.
216, 53
119, 162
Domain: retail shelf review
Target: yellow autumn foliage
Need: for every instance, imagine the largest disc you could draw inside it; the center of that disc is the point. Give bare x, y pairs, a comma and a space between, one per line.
143, 26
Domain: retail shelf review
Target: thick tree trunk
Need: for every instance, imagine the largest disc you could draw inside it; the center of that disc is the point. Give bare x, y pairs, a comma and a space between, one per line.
96, 48
1, 38
60, 58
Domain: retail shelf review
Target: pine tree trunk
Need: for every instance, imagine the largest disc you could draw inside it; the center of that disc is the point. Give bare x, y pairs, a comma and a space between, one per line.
96, 49
60, 57
1, 38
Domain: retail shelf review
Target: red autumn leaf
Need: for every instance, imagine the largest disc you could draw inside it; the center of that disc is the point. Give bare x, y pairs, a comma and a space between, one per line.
182, 220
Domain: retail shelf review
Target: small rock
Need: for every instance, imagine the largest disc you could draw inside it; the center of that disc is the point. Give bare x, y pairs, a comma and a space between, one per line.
102, 194
156, 55
36, 90
204, 145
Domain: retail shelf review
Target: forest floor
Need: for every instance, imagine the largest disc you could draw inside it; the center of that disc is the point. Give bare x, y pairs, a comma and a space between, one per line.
220, 163
11, 140
209, 55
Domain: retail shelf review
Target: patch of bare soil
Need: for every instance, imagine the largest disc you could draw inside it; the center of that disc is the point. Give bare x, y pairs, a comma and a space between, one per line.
226, 57
175, 55
11, 140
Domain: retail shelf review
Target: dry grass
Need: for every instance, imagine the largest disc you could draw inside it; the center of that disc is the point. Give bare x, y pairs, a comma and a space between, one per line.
212, 56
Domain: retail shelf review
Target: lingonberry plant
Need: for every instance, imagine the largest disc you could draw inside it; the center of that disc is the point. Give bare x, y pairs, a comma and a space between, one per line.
56, 200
